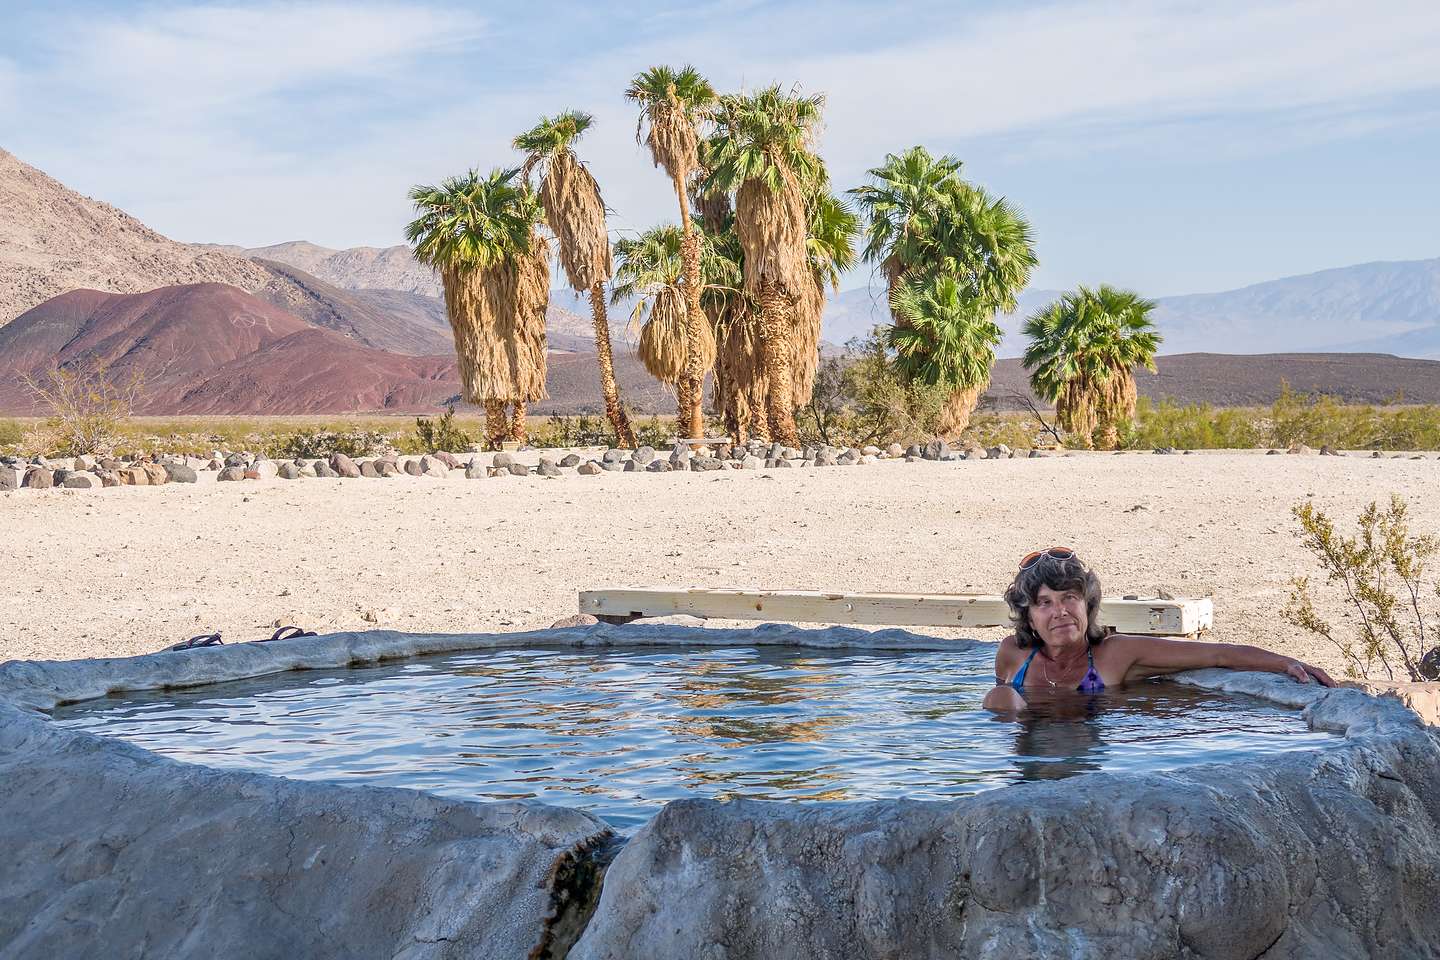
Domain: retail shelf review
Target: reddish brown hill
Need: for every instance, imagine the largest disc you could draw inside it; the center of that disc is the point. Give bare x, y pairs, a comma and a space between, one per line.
213, 349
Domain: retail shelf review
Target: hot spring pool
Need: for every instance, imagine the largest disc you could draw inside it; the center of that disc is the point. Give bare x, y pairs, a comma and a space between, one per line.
619, 731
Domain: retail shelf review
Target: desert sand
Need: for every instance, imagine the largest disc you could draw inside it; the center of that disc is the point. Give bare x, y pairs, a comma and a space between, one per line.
129, 570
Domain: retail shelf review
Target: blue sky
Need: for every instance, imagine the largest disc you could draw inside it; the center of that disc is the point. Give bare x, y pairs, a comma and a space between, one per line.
1171, 147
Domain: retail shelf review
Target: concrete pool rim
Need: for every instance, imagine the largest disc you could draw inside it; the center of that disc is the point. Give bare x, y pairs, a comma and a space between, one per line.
1374, 733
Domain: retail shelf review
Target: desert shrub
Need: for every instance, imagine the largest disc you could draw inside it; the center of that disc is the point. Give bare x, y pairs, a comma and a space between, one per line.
1016, 432
1379, 573
317, 444
88, 407
860, 399
581, 431
1191, 426
441, 433
654, 432
11, 432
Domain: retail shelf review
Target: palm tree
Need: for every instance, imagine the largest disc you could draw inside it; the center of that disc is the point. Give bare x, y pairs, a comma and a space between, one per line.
480, 234
1083, 349
673, 104
943, 336
575, 213
762, 152
924, 222
651, 269
830, 250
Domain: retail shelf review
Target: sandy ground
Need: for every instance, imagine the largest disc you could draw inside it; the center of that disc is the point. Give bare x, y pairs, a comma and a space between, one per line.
129, 570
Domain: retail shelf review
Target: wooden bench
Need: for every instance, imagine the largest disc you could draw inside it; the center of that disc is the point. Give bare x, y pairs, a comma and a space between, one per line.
1157, 617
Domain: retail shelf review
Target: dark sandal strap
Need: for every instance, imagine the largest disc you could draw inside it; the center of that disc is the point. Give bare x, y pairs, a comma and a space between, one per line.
203, 640
288, 633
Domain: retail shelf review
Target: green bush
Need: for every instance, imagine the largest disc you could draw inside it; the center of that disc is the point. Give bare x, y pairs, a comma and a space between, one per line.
581, 431
1380, 575
442, 433
861, 399
1193, 426
317, 444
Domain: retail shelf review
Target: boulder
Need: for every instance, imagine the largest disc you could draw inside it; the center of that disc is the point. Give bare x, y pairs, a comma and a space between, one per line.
10, 477
658, 466
779, 463
39, 478
181, 473
935, 449
449, 459
612, 466
1165, 451
344, 466
108, 478
752, 463
612, 456
387, 468
870, 450
867, 458
1300, 448
323, 469
155, 473
723, 451
643, 455
215, 465
236, 460
825, 457
58, 475
288, 471
518, 470
706, 464
82, 481
475, 470
368, 469
1034, 455
547, 468
413, 468
588, 469
264, 470
307, 469
570, 460
229, 473
434, 467
137, 477
895, 450
502, 460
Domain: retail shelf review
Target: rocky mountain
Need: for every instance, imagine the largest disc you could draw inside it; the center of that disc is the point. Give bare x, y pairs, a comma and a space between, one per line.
215, 349
1390, 307
355, 268
52, 240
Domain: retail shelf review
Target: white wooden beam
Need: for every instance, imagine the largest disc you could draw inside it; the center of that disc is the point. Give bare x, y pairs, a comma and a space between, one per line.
1159, 617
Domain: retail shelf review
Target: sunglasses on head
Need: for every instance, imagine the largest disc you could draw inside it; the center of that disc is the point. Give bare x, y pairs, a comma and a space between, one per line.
1054, 553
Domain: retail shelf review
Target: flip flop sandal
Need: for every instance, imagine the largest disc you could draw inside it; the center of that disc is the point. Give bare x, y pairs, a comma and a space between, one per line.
204, 640
288, 633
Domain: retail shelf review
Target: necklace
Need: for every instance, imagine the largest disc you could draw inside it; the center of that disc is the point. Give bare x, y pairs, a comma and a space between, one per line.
1045, 674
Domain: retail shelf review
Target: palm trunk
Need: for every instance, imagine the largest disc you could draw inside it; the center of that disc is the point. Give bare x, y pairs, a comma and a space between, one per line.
955, 415
614, 409
517, 422
775, 321
495, 427
692, 419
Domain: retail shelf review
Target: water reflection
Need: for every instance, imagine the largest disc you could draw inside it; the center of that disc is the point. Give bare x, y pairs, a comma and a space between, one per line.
619, 731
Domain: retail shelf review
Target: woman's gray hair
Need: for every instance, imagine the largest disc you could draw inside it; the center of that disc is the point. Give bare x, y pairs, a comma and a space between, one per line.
1058, 575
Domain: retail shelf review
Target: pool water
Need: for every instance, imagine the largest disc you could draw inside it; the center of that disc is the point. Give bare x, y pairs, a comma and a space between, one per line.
621, 731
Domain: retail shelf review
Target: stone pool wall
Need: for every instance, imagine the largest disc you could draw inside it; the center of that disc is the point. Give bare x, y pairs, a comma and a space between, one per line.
109, 849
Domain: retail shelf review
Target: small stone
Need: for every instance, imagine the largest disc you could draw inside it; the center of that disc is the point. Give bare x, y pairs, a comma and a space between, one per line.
680, 463
263, 470
547, 468
412, 468
180, 473
323, 469
10, 477
502, 460
706, 464
288, 471
781, 463
870, 450
229, 473
215, 465
234, 460
82, 481
58, 475
155, 473
519, 470
449, 459
643, 455
570, 460
1268, 453
475, 470
867, 458
658, 466
1035, 455
39, 478
588, 469
1164, 451
612, 456
722, 451
344, 466
895, 450
776, 452
137, 477
752, 463
1375, 455
368, 469
1299, 448
573, 621
911, 458
108, 478
678, 449
935, 449
612, 466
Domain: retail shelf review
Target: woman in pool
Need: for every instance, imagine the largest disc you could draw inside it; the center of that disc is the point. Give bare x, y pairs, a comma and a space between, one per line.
1059, 644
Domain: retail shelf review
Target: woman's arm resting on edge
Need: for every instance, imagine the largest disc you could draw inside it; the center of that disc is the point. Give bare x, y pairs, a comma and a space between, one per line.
1155, 656
1003, 699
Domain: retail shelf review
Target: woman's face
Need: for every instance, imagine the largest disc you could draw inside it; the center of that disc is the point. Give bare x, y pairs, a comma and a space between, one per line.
1059, 616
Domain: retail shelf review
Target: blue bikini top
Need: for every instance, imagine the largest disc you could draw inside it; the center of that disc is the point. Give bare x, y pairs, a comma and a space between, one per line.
1090, 683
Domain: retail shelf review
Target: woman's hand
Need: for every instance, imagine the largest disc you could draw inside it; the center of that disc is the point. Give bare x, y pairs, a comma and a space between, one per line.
1302, 672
